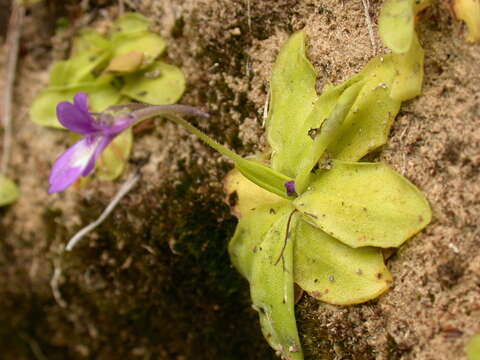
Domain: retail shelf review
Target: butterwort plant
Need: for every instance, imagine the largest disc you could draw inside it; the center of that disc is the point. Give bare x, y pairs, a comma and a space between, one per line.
309, 211
327, 237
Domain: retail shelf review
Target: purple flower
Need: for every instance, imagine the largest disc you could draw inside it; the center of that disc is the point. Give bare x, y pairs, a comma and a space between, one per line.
98, 130
80, 159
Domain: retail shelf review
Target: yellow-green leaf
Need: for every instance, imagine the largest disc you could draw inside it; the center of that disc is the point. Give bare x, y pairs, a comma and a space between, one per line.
113, 160
244, 194
8, 191
334, 272
148, 43
126, 63
473, 348
91, 42
292, 96
131, 22
77, 69
409, 72
368, 124
364, 204
251, 229
328, 133
160, 84
469, 11
271, 286
396, 24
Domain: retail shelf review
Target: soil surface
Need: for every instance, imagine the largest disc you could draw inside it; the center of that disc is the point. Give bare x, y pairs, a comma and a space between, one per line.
154, 280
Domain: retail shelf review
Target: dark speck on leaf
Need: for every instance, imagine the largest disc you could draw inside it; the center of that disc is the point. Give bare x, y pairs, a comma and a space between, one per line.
142, 93
313, 132
379, 276
232, 199
92, 58
311, 215
272, 211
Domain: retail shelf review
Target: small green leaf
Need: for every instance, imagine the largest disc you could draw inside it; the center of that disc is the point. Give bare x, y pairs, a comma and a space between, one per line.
364, 204
469, 11
396, 24
251, 229
292, 96
328, 134
160, 84
336, 273
409, 72
91, 42
43, 109
150, 44
368, 123
473, 348
126, 63
243, 195
271, 286
115, 157
8, 191
131, 22
78, 69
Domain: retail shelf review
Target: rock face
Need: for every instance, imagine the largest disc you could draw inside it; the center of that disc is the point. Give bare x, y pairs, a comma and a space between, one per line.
154, 281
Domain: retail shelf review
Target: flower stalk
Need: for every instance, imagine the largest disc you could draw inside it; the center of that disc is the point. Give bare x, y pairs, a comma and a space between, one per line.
99, 130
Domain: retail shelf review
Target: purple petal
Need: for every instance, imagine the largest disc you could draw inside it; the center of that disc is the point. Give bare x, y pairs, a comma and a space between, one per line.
73, 162
76, 116
98, 151
81, 102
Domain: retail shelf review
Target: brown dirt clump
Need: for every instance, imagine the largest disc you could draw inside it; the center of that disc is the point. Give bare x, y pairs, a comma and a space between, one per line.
154, 281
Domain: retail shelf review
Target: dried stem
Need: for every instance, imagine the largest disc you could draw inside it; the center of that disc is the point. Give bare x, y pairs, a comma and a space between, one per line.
366, 7
12, 45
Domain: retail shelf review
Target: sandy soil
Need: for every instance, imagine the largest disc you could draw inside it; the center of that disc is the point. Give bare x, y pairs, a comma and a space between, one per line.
154, 281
